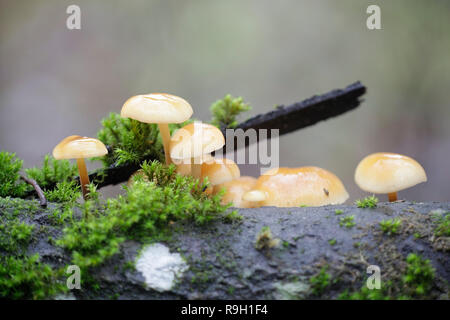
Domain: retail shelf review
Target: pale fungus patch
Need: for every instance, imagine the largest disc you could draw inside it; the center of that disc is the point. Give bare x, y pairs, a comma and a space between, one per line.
159, 267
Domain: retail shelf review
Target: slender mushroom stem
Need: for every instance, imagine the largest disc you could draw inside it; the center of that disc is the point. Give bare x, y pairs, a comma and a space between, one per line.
40, 193
392, 196
165, 135
196, 168
84, 178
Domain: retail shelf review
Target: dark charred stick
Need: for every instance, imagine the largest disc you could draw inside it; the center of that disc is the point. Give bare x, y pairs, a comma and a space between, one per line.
306, 113
37, 188
287, 119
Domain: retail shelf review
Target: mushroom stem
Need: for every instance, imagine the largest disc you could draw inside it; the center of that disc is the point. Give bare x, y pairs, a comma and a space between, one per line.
196, 168
165, 135
392, 196
84, 178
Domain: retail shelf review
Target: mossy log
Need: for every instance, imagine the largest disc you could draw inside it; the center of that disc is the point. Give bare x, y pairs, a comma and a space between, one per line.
222, 261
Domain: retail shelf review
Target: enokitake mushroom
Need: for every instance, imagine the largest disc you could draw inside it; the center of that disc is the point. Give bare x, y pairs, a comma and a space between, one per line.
79, 148
193, 144
159, 108
289, 187
388, 173
235, 189
218, 171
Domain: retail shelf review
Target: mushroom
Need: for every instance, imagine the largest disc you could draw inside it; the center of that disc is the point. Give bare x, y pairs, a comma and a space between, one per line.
234, 191
218, 171
193, 143
287, 187
159, 108
78, 147
389, 173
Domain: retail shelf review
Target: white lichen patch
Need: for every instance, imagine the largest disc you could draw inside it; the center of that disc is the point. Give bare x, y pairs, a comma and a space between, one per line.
159, 267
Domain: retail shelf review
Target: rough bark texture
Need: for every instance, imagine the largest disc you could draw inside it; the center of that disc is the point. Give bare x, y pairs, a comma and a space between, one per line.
224, 264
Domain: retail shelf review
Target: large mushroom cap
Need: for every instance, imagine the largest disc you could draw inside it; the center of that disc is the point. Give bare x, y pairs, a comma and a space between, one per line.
157, 108
385, 172
235, 189
75, 147
310, 186
220, 170
194, 140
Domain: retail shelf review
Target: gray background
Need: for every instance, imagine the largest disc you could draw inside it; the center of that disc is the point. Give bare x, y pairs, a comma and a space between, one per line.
55, 82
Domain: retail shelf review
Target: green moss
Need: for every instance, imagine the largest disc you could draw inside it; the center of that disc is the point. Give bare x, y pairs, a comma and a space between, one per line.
66, 191
338, 212
27, 278
415, 281
442, 225
367, 202
131, 141
390, 226
14, 234
347, 222
320, 281
419, 274
10, 185
52, 172
332, 242
225, 111
144, 213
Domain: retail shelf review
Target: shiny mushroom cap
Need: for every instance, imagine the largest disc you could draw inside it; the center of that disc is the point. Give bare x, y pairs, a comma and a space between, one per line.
157, 108
194, 140
388, 172
75, 147
220, 170
290, 187
235, 189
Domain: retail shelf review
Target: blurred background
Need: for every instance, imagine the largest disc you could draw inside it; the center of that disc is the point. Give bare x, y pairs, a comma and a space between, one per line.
56, 82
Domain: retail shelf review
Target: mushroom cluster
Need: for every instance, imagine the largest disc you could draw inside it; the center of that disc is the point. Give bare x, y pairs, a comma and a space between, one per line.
190, 149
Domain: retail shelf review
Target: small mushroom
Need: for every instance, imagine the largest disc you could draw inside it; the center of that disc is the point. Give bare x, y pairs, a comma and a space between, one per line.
193, 144
289, 187
235, 189
388, 173
159, 108
78, 147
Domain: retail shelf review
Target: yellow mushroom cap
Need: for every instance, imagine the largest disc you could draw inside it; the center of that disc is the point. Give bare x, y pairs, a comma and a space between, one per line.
194, 140
157, 108
289, 187
220, 170
385, 172
74, 147
235, 189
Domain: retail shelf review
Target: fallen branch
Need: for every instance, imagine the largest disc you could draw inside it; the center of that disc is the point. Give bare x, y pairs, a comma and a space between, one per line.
287, 119
37, 188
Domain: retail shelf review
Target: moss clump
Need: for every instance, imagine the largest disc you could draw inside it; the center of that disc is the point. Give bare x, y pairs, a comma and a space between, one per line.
131, 141
66, 191
52, 172
419, 274
442, 222
144, 213
26, 277
320, 281
390, 226
347, 222
415, 281
338, 212
14, 234
265, 240
368, 202
10, 185
225, 111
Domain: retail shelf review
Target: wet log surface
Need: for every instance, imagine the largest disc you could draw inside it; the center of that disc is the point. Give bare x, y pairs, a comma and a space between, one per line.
223, 263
